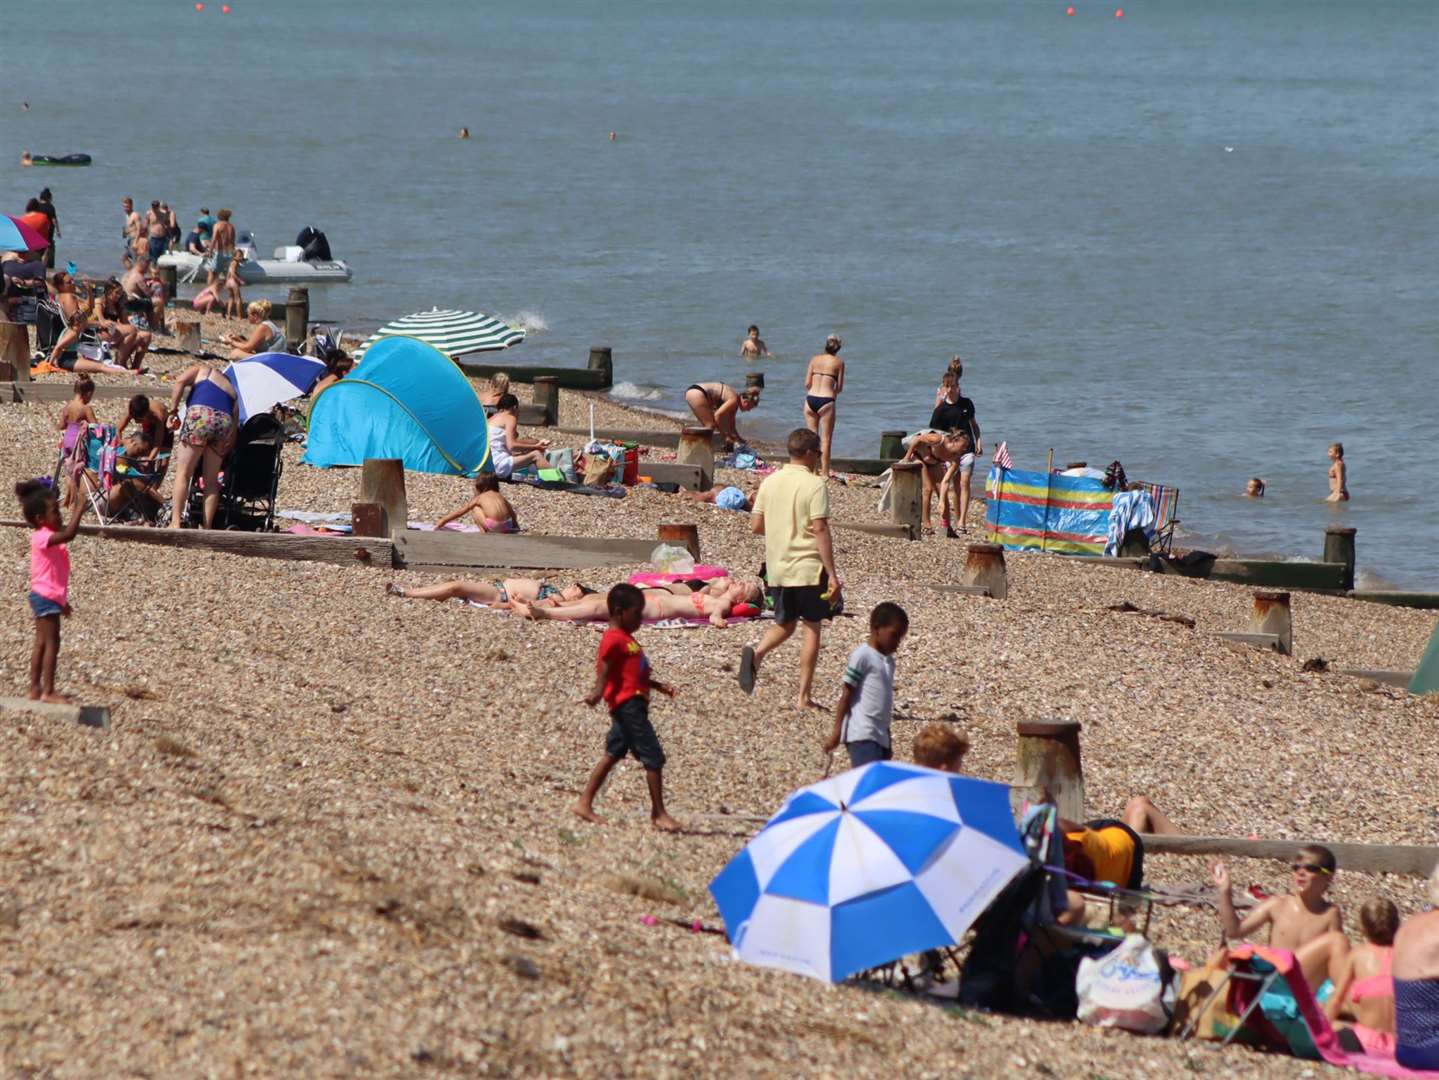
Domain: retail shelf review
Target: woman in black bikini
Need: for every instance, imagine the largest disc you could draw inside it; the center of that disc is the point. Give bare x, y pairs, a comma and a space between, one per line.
823, 381
715, 405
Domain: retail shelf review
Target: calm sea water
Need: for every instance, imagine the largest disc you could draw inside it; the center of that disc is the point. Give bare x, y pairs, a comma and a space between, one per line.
1200, 239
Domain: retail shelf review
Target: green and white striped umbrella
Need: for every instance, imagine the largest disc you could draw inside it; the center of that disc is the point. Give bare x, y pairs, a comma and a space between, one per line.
454, 333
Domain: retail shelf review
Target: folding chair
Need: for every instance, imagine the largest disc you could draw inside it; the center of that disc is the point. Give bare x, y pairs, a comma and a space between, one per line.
1166, 515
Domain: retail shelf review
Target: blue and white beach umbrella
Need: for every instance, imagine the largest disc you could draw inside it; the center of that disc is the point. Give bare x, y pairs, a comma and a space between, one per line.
868, 866
265, 380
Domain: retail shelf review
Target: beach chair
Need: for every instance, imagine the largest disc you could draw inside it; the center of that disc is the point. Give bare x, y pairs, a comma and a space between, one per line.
139, 478
89, 466
50, 325
1166, 515
1020, 959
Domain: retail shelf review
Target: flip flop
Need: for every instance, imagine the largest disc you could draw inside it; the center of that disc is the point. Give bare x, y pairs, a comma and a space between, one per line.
746, 670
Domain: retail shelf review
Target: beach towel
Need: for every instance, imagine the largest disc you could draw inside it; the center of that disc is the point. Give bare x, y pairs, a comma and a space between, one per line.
1259, 959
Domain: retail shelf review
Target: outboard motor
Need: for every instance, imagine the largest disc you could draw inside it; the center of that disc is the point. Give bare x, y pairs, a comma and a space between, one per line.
316, 247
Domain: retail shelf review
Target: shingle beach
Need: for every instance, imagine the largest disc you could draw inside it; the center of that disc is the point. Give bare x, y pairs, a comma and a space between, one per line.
329, 833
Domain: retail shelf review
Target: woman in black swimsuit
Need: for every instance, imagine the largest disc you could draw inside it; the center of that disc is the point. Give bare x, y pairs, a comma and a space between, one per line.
823, 381
715, 405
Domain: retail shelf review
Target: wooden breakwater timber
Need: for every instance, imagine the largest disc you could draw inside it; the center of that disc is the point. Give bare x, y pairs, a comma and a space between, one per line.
1049, 767
597, 374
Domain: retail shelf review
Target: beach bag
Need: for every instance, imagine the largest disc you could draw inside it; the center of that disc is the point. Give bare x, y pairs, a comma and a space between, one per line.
1130, 987
598, 470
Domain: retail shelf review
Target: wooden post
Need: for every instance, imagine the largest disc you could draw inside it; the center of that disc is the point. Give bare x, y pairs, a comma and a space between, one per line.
297, 317
906, 495
754, 380
369, 519
1047, 763
382, 480
679, 535
95, 716
697, 448
602, 359
546, 393
187, 336
891, 444
1272, 616
15, 351
170, 279
1339, 547
984, 566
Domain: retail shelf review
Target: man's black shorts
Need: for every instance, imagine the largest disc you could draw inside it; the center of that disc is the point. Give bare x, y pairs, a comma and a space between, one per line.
632, 733
793, 602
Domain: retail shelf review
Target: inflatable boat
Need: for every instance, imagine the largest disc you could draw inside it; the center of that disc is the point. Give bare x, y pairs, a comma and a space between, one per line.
45, 159
280, 270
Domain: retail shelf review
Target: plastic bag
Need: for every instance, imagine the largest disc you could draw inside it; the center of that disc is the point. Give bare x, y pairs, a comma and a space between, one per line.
1131, 988
669, 559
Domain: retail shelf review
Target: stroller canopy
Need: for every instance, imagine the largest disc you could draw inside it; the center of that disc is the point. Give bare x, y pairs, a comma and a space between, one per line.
407, 400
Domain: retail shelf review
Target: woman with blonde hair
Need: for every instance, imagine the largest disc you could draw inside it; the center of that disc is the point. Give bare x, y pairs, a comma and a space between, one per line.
266, 337
497, 387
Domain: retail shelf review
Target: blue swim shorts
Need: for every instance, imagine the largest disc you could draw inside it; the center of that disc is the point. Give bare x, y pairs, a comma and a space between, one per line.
41, 606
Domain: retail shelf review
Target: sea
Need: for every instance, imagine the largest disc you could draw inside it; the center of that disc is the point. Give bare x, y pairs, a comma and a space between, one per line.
1196, 237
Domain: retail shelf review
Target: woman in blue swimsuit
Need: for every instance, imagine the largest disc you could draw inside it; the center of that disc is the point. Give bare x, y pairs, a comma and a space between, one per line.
206, 435
823, 382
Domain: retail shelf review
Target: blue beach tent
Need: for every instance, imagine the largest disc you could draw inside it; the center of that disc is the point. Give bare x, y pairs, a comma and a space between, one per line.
406, 400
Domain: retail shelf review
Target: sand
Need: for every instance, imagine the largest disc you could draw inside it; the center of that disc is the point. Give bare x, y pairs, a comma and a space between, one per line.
329, 834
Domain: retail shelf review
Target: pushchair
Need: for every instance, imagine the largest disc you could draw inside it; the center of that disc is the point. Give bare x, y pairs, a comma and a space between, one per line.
1021, 960
249, 478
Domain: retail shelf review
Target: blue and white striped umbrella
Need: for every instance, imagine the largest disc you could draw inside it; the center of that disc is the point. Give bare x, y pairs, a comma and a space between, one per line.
868, 866
265, 380
454, 333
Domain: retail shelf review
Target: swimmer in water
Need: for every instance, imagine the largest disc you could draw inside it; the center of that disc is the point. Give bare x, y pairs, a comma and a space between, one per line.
464, 133
1338, 475
1255, 488
753, 346
612, 136
25, 158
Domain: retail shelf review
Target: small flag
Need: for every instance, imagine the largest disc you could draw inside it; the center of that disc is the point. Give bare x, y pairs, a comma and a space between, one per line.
1001, 456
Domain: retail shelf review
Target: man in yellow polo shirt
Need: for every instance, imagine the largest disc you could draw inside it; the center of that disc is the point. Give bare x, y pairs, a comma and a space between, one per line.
791, 512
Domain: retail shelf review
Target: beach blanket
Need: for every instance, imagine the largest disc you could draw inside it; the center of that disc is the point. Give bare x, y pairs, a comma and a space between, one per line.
1259, 958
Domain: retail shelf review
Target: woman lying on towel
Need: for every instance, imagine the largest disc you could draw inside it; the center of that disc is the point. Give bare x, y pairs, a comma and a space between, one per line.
714, 600
501, 592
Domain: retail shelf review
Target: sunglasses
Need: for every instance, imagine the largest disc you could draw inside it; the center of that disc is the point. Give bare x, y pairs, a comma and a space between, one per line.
1296, 867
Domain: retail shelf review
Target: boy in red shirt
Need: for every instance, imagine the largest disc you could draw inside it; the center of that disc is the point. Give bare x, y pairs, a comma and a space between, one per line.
623, 678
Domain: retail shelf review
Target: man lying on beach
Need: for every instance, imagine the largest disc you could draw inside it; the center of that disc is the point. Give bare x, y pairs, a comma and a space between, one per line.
1302, 921
713, 600
499, 592
726, 498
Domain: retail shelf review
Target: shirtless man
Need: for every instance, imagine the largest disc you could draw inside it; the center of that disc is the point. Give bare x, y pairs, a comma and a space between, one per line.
221, 249
139, 285
157, 230
753, 346
134, 229
1338, 475
1302, 921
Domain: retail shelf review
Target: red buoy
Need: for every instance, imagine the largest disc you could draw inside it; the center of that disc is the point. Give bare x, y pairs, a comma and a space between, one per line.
1069, 10
199, 7
1119, 13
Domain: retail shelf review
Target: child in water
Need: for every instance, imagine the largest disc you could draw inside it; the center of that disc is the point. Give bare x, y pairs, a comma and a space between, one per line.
49, 579
1338, 475
1255, 488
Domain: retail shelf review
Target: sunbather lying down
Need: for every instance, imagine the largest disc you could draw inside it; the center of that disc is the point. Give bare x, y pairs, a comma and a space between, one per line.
713, 599
499, 592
